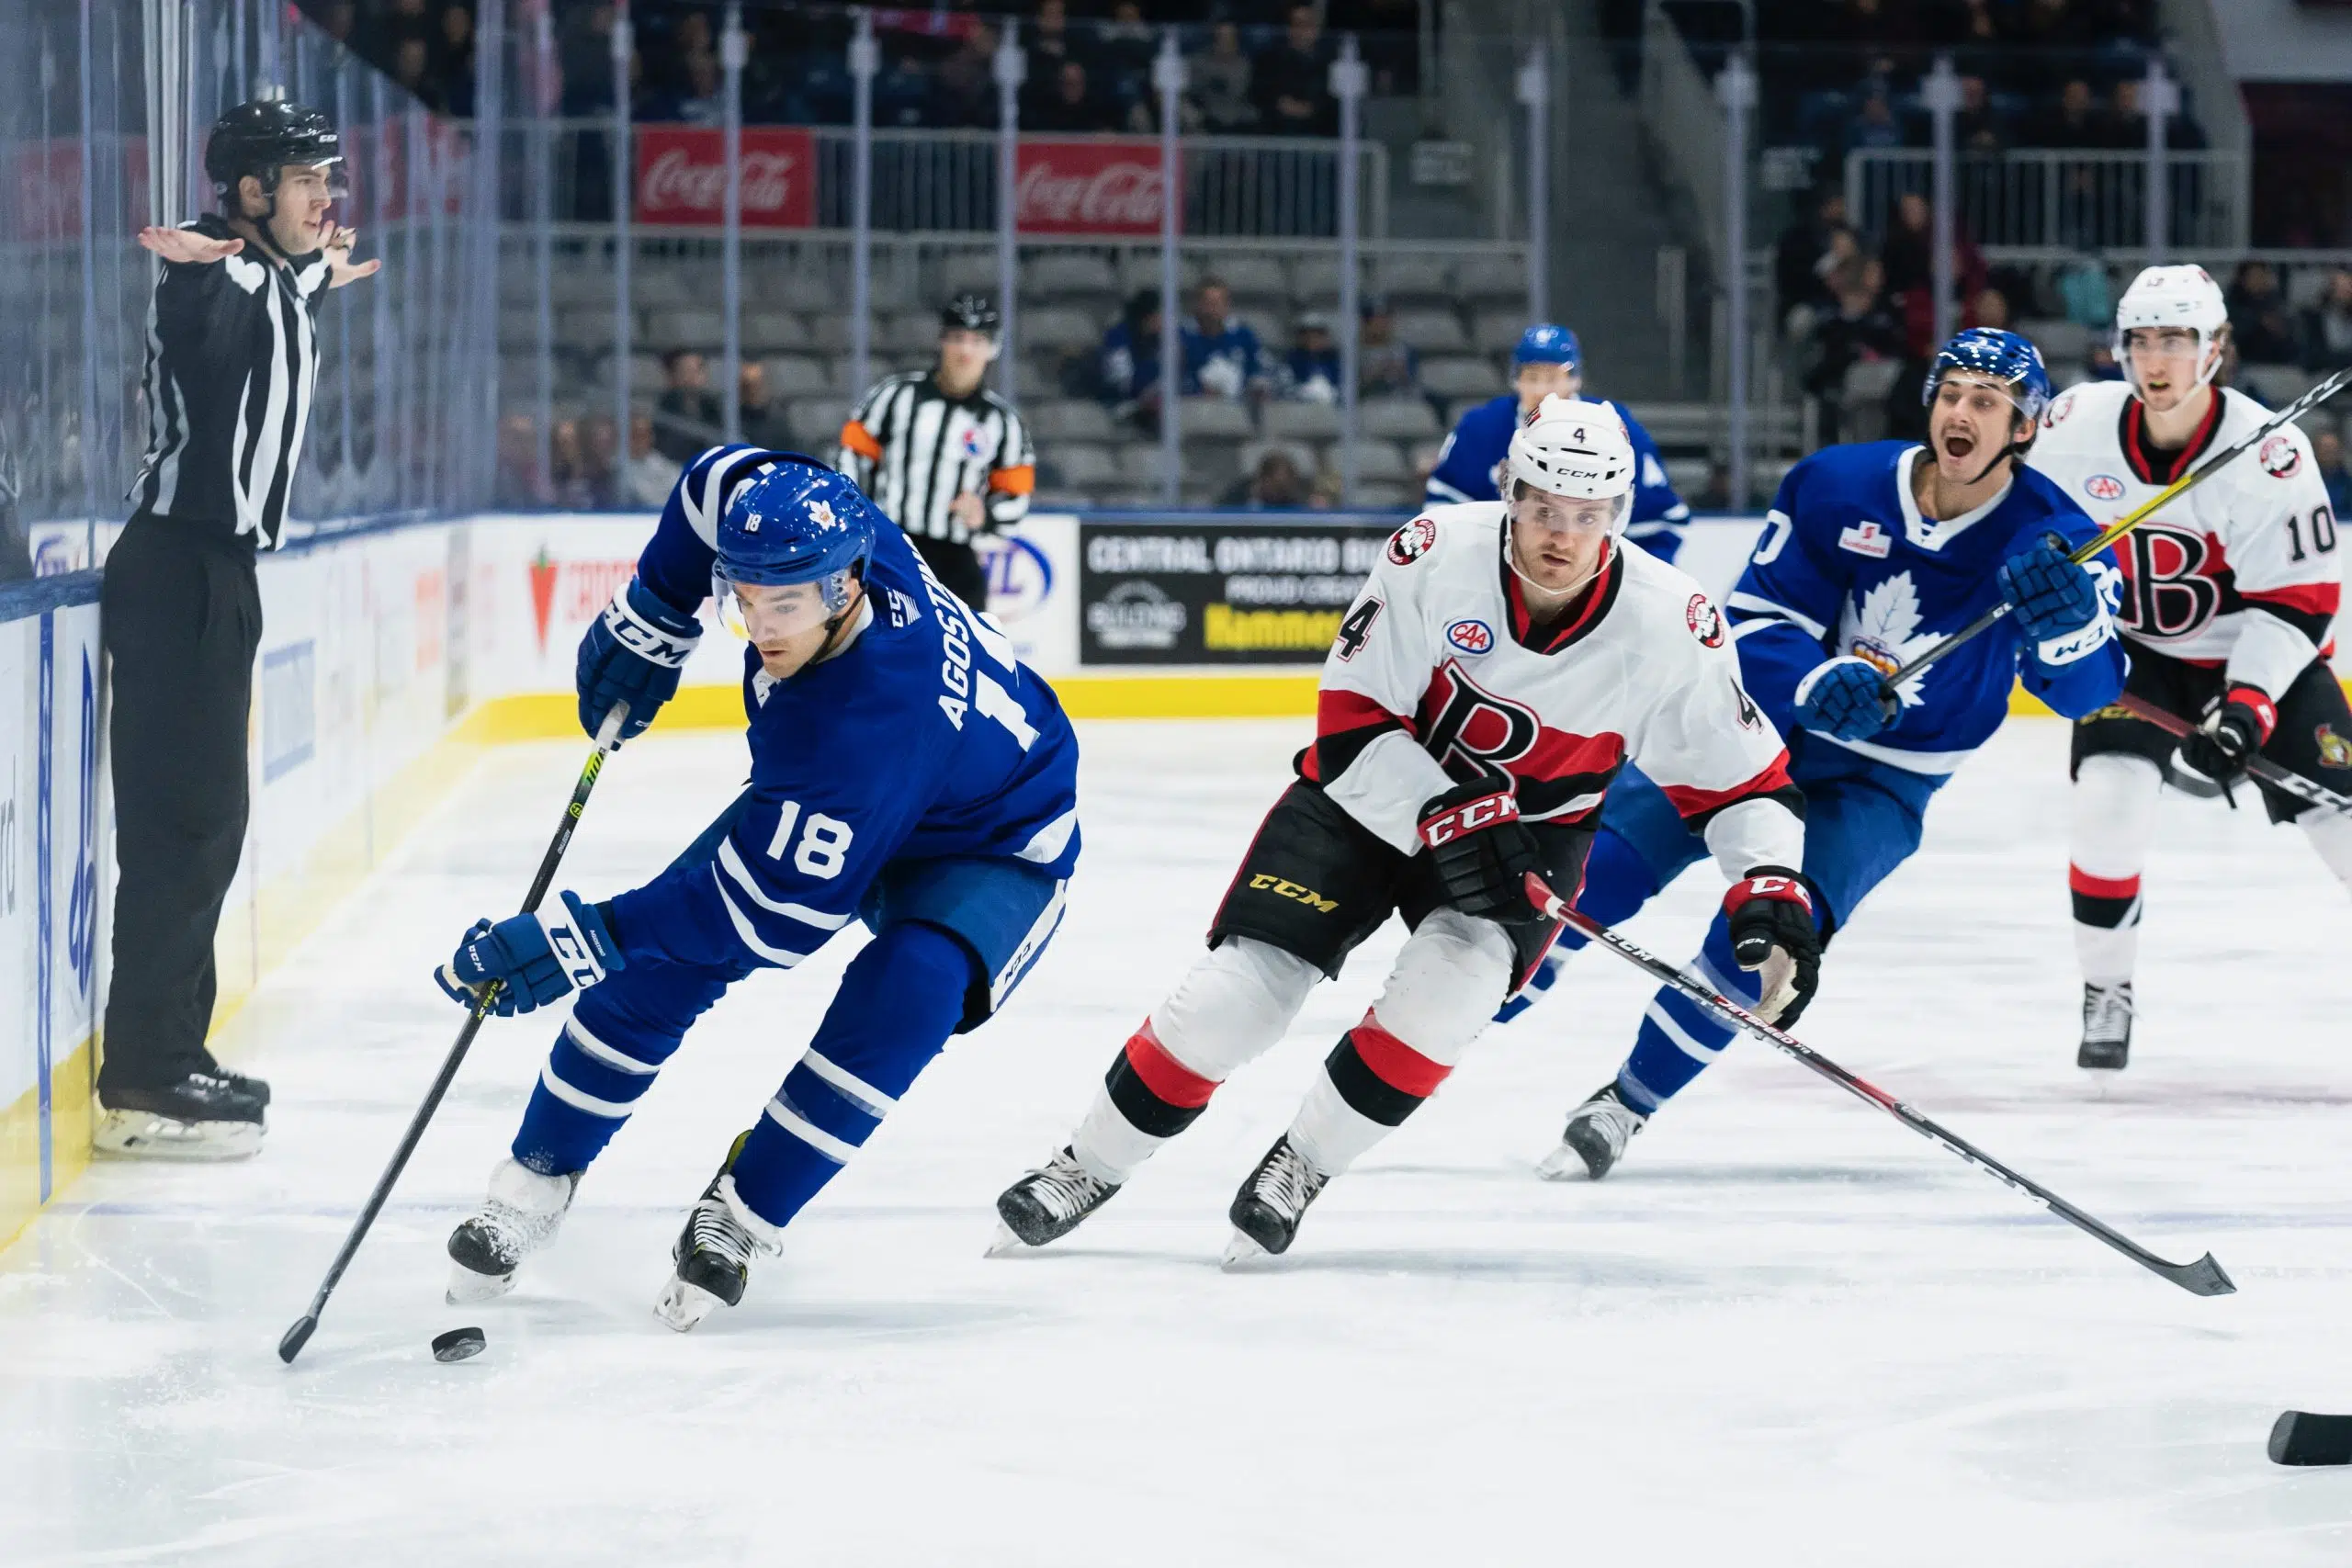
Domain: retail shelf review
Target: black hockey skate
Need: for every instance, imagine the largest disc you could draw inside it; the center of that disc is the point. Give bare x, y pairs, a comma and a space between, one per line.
712, 1254
517, 1218
1267, 1209
201, 1116
1047, 1203
2107, 1028
1596, 1137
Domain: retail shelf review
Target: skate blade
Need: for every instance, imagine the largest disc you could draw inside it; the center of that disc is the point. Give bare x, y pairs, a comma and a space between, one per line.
1242, 1251
1005, 1244
469, 1288
1564, 1163
138, 1134
683, 1305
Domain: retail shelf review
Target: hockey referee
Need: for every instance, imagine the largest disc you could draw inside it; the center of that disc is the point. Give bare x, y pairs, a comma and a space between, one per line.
945, 458
231, 359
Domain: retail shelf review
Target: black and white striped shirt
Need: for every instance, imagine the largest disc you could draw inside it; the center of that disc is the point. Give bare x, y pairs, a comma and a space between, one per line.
233, 357
914, 449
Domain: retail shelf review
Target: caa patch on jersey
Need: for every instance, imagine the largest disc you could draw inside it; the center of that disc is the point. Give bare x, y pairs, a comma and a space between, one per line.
1471, 637
2281, 458
2103, 487
1413, 541
1706, 625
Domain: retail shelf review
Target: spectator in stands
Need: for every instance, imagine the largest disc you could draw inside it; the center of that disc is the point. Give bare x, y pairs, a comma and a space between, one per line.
902, 91
1049, 48
1275, 485
761, 417
686, 417
1221, 352
1311, 371
1908, 250
1858, 328
412, 70
566, 465
964, 85
2259, 322
1810, 250
1978, 127
1220, 95
2086, 292
1070, 106
701, 96
599, 464
647, 476
2099, 364
1131, 362
1873, 125
1385, 368
2074, 123
1987, 307
1123, 47
2327, 447
584, 57
518, 465
1294, 79
453, 59
2327, 326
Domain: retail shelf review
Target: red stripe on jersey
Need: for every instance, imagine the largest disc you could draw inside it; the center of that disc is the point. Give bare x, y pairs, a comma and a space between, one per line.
1691, 802
1556, 754
1353, 721
1162, 1074
1395, 1062
2089, 886
1582, 609
2308, 598
1338, 710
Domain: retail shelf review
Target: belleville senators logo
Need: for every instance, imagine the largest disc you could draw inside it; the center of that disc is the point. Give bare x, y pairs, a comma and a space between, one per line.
1413, 541
2281, 458
1706, 625
2334, 750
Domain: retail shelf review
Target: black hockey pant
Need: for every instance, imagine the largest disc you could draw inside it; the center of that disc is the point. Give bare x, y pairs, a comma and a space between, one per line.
181, 614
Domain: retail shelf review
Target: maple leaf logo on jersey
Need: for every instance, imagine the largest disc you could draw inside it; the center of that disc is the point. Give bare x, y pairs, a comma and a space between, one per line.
1883, 630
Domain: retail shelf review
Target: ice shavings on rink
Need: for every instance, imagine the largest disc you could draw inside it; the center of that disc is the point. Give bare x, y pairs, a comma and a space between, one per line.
1785, 1331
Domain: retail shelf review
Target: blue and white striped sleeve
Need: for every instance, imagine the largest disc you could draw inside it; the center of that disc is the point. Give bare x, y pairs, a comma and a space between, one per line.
1659, 515
1783, 610
677, 559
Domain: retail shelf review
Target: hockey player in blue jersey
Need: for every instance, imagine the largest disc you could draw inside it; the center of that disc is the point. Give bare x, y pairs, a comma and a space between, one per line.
1548, 361
906, 770
1871, 555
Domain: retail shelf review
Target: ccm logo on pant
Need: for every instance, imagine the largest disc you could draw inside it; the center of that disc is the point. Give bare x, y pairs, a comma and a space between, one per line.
1266, 881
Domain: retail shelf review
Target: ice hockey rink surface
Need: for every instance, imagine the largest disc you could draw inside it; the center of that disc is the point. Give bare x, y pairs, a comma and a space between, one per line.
1786, 1332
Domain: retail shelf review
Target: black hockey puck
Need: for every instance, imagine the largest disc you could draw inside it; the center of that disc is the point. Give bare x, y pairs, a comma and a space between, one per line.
458, 1344
2299, 1438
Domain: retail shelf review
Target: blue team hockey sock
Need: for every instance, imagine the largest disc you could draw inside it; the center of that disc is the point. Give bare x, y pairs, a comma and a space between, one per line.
1679, 1039
1617, 882
593, 1080
898, 1001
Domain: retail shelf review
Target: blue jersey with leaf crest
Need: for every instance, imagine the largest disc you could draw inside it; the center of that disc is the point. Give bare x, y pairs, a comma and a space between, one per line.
1848, 565
924, 739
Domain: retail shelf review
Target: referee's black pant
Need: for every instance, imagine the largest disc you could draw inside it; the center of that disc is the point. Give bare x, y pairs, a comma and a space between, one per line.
181, 615
957, 567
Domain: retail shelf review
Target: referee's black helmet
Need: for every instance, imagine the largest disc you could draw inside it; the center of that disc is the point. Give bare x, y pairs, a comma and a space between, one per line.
262, 137
971, 314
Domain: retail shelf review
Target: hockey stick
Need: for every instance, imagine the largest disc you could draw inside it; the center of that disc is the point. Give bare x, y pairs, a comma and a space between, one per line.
2261, 767
608, 742
2202, 1277
2137, 515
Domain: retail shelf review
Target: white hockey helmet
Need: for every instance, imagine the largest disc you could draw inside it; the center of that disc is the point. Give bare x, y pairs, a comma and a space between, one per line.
2173, 297
1575, 447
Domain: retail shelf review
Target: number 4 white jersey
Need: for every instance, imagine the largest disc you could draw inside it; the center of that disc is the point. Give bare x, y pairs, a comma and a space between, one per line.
1438, 676
2242, 571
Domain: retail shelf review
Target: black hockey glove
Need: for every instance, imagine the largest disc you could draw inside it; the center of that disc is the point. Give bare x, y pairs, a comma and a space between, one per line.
1481, 851
2220, 749
1771, 911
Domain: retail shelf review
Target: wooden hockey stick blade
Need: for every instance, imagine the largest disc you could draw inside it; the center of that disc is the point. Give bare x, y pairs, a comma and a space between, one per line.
2299, 1437
2202, 1277
2256, 766
2310, 399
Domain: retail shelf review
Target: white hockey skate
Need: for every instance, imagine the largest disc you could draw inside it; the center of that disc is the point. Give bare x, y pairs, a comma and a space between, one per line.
1595, 1140
2107, 1028
1047, 1203
1267, 1209
519, 1217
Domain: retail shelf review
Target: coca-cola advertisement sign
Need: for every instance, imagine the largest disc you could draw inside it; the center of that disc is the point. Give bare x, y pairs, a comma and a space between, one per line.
1100, 186
681, 176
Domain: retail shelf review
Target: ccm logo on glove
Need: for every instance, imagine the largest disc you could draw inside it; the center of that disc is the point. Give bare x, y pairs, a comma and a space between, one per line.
1469, 817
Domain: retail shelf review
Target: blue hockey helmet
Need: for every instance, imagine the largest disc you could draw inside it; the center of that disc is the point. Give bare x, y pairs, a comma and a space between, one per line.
1545, 344
1998, 355
796, 523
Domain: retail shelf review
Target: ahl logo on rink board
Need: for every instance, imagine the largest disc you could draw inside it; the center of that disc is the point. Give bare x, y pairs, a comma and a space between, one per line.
1471, 637
2103, 487
1706, 622
2281, 458
1413, 541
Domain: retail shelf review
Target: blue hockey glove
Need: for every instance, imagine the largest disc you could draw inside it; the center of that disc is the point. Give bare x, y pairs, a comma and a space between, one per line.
632, 654
1846, 699
536, 958
2051, 596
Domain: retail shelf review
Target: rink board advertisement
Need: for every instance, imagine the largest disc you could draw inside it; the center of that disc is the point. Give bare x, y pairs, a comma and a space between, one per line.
1218, 590
52, 831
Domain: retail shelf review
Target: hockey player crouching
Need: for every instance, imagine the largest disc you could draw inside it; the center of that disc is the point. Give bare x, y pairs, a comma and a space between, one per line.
1503, 662
1871, 555
906, 770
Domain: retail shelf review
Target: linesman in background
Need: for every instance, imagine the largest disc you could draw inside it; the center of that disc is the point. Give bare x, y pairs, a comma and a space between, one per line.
944, 457
232, 360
